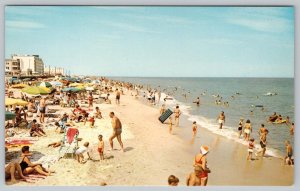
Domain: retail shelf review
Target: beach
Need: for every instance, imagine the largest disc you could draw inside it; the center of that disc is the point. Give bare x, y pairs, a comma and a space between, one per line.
152, 154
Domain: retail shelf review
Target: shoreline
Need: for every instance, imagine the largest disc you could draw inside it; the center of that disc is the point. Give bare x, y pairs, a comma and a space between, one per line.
152, 154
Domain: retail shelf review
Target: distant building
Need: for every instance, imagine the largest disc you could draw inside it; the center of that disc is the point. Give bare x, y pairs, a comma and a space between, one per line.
53, 71
30, 64
12, 67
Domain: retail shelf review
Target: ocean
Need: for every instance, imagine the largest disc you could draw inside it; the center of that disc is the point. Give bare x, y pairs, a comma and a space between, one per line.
242, 95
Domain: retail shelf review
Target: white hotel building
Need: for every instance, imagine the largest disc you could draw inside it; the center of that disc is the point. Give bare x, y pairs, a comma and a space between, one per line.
30, 64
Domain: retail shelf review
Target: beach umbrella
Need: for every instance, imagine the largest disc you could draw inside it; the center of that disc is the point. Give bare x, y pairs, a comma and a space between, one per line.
44, 84
75, 84
56, 83
19, 86
11, 101
9, 115
36, 90
96, 82
71, 89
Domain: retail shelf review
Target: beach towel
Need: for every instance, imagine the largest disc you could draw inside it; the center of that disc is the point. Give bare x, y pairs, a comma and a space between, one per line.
165, 115
18, 143
71, 134
48, 160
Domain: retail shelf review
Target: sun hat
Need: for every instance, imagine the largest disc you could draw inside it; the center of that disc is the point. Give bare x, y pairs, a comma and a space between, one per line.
204, 150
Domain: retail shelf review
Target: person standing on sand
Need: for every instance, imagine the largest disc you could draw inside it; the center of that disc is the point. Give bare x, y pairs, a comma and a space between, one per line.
117, 130
118, 96
200, 160
250, 149
263, 141
289, 153
90, 99
221, 119
42, 110
247, 130
170, 124
177, 114
101, 147
173, 180
162, 109
159, 95
194, 178
240, 128
194, 127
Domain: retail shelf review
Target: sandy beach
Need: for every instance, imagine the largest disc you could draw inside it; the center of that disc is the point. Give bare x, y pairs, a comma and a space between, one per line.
152, 154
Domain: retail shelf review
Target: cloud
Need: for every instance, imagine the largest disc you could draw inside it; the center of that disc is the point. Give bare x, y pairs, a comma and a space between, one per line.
162, 18
128, 27
261, 19
24, 25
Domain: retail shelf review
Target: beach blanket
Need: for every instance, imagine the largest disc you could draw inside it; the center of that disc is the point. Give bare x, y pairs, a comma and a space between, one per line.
48, 160
71, 134
18, 143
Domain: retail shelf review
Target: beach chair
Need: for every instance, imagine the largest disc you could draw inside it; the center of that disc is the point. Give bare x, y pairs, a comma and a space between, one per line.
69, 142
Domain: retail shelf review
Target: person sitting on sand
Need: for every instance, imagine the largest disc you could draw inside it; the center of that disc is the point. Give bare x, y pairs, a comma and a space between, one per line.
19, 115
101, 147
117, 130
55, 144
35, 130
273, 117
289, 153
79, 152
173, 180
194, 127
247, 130
200, 160
97, 113
250, 149
194, 178
221, 119
28, 167
10, 171
31, 106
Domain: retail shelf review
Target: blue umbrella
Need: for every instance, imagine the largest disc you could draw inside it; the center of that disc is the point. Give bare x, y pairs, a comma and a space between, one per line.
70, 90
9, 115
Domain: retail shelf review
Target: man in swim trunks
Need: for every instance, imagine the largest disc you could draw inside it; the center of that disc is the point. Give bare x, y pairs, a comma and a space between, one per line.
177, 114
221, 119
117, 130
289, 153
42, 110
118, 95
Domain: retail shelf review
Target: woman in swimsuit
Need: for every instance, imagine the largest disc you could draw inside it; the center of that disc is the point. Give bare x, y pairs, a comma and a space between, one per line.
240, 128
194, 128
200, 160
247, 130
28, 167
177, 114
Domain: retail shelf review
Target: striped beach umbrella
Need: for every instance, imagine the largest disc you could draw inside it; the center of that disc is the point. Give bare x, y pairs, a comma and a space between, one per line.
44, 84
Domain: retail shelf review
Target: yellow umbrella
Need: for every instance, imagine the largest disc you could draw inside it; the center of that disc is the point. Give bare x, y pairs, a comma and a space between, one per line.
75, 84
11, 101
80, 87
19, 86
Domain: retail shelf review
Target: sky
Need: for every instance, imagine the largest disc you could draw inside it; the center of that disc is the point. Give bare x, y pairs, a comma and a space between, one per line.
156, 41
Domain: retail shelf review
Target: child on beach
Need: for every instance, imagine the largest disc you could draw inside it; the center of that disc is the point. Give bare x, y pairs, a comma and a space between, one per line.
194, 128
101, 147
173, 180
92, 121
79, 153
250, 149
170, 125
